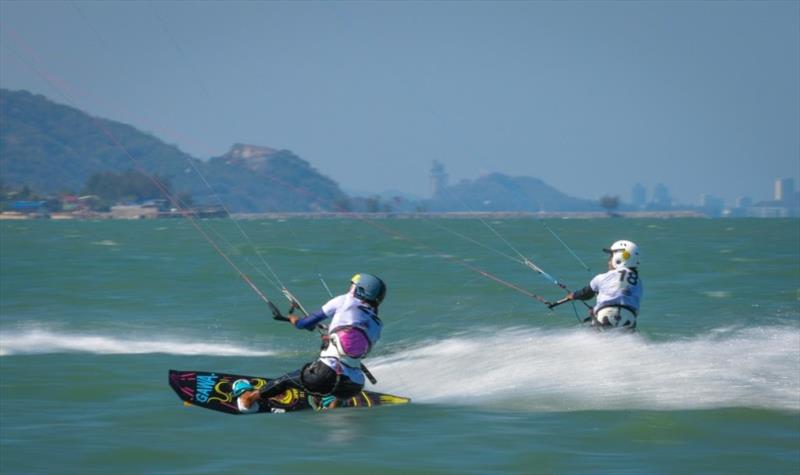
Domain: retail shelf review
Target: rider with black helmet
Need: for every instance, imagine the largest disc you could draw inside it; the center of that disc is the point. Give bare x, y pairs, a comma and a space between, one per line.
353, 331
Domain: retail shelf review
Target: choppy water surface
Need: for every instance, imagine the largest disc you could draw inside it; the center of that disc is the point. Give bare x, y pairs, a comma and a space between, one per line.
93, 314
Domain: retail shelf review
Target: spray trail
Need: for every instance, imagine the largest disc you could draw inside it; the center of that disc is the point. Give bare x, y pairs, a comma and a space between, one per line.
538, 370
41, 341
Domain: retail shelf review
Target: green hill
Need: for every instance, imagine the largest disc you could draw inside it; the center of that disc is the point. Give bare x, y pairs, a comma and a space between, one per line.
498, 192
53, 148
263, 179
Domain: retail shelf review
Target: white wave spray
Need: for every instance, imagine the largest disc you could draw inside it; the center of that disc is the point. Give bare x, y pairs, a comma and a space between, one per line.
530, 369
42, 341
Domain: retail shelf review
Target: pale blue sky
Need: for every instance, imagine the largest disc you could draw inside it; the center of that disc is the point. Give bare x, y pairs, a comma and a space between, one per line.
591, 97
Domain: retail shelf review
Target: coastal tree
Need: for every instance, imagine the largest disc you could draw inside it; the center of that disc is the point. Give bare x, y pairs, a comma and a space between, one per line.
130, 185
373, 204
609, 203
185, 199
342, 204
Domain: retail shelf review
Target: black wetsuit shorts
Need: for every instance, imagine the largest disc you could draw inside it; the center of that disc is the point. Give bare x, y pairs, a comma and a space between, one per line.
315, 378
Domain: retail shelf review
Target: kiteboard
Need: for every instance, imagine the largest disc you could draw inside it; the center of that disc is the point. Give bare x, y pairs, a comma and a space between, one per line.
213, 391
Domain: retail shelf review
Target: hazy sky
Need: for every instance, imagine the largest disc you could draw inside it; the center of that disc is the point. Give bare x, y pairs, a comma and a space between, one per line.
591, 97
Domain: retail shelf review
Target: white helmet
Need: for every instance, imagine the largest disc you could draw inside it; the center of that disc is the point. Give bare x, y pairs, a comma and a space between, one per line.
624, 254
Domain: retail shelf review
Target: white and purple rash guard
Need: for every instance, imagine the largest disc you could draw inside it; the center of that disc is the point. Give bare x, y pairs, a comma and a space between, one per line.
356, 326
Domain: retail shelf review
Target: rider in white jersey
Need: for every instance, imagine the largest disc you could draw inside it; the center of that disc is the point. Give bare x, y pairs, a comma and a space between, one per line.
619, 291
354, 329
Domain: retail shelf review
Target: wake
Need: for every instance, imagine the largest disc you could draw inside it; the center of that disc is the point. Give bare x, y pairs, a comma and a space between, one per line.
534, 369
39, 341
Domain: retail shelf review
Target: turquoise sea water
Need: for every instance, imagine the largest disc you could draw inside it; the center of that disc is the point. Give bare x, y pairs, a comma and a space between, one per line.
93, 314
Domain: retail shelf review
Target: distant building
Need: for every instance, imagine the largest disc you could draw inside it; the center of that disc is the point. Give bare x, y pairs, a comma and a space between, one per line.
69, 203
661, 198
134, 212
744, 202
23, 206
785, 203
784, 189
638, 196
707, 200
769, 212
438, 178
711, 205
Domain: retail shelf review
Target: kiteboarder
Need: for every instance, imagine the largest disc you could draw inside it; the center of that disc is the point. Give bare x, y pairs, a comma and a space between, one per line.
338, 373
619, 291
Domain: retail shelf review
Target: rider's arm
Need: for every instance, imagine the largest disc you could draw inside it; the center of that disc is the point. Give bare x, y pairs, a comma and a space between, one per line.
310, 322
584, 294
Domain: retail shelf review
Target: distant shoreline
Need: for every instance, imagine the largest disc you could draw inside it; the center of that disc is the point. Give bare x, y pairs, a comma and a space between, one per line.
475, 215
363, 215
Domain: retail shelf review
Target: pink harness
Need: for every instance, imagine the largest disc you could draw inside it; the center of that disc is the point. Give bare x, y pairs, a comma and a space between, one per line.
353, 341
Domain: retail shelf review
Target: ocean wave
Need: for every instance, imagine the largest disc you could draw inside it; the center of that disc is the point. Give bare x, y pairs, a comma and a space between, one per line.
41, 341
533, 369
105, 242
717, 294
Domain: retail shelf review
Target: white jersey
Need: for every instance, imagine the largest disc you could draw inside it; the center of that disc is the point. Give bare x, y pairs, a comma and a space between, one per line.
348, 311
618, 287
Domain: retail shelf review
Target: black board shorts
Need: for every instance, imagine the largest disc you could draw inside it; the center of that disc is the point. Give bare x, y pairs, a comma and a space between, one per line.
320, 379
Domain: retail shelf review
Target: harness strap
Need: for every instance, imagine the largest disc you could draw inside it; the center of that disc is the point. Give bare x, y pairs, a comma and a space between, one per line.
332, 351
606, 323
626, 307
333, 348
